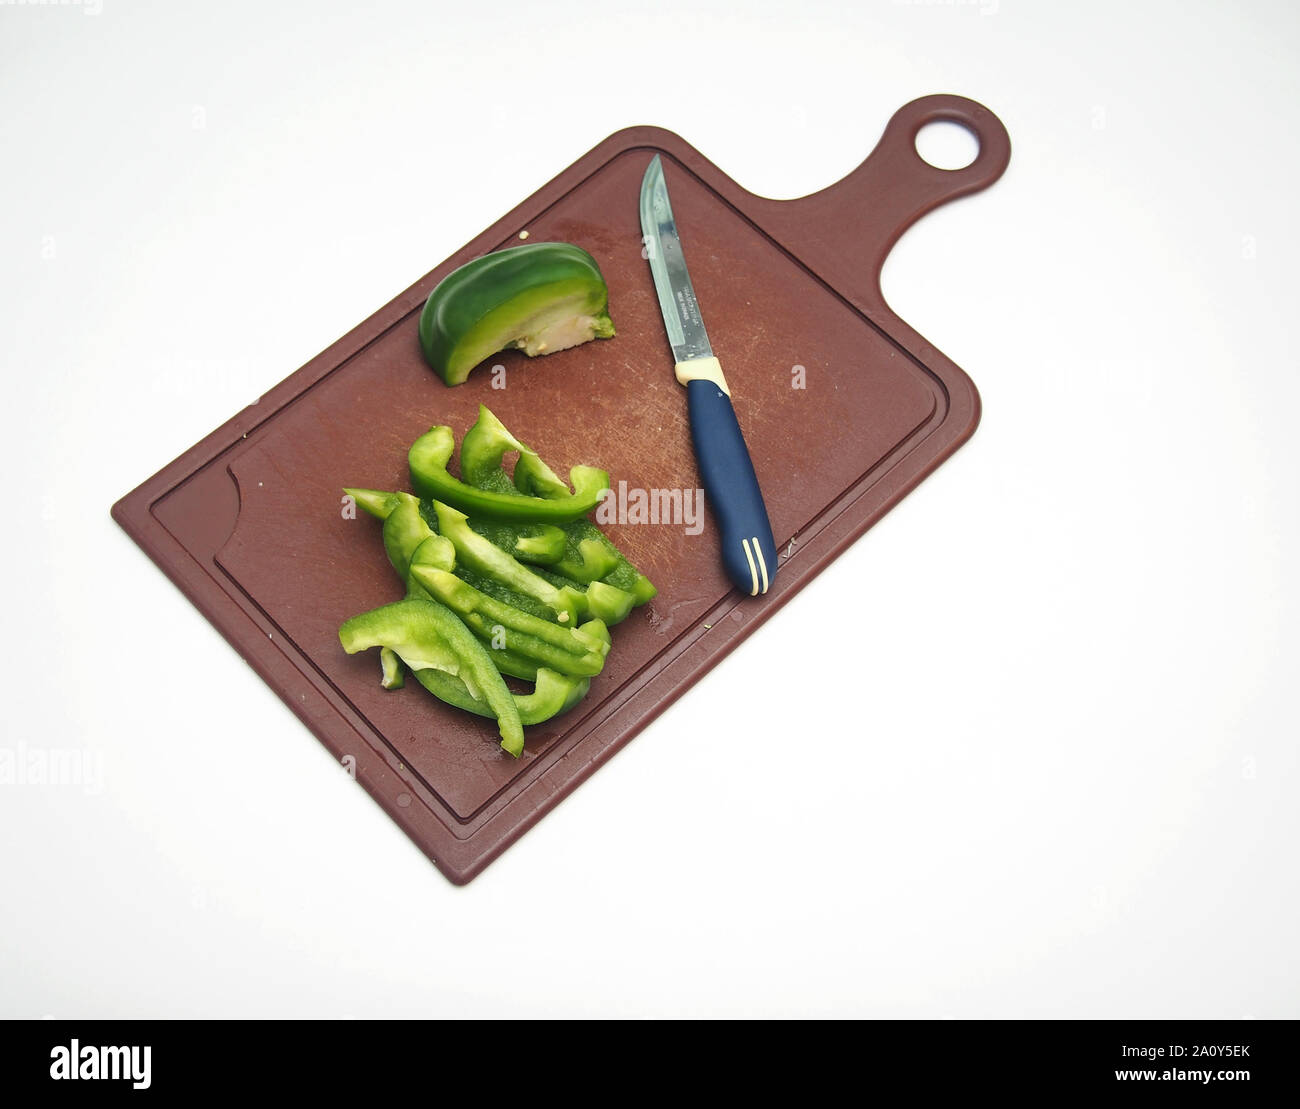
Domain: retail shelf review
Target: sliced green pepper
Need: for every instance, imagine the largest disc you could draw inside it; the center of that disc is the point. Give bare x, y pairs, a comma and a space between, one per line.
504, 593
437, 553
428, 636
404, 530
538, 298
428, 460
553, 694
597, 599
463, 597
408, 538
624, 575
485, 444
584, 559
540, 544
390, 669
479, 553
595, 547
589, 554
409, 541
376, 502
568, 650
520, 620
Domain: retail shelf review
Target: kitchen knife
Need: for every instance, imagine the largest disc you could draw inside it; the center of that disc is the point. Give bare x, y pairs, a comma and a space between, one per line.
748, 550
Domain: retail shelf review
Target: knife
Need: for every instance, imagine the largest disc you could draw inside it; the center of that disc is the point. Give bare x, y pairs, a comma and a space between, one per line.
748, 550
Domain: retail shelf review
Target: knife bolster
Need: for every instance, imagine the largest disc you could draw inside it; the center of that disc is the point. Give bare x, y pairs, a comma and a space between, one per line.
702, 369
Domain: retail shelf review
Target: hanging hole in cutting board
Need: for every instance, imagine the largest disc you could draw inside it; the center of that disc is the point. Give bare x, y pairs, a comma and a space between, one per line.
947, 145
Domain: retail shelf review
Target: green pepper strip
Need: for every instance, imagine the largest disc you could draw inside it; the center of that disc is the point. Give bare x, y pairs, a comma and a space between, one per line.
554, 693
542, 544
623, 574
484, 446
514, 665
390, 669
503, 593
600, 600
465, 598
429, 636
545, 545
405, 532
585, 559
409, 541
567, 650
428, 460
479, 553
509, 662
589, 554
553, 688
604, 602
579, 560
517, 653
376, 502
481, 451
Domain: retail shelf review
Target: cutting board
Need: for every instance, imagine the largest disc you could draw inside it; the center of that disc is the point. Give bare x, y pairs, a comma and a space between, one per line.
251, 523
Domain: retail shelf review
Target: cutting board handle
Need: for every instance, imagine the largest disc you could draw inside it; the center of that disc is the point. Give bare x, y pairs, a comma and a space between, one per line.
916, 186
860, 217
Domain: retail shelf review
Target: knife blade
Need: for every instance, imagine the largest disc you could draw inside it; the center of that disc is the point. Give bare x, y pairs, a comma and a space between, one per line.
748, 549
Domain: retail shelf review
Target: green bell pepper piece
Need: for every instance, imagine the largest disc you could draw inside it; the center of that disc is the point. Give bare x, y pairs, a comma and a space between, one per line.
589, 554
568, 650
540, 481
512, 662
597, 599
404, 530
485, 444
408, 537
428, 458
476, 552
540, 544
374, 501
582, 559
390, 669
429, 636
505, 594
538, 298
410, 541
553, 694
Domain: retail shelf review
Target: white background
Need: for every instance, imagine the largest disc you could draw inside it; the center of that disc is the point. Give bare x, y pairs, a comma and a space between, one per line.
1028, 749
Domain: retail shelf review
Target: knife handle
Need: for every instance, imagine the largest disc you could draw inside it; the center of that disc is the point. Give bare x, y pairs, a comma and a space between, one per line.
748, 550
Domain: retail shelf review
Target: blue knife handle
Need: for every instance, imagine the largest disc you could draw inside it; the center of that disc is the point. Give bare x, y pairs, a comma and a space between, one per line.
748, 549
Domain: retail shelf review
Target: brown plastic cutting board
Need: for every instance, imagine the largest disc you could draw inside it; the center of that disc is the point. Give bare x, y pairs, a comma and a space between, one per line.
250, 524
